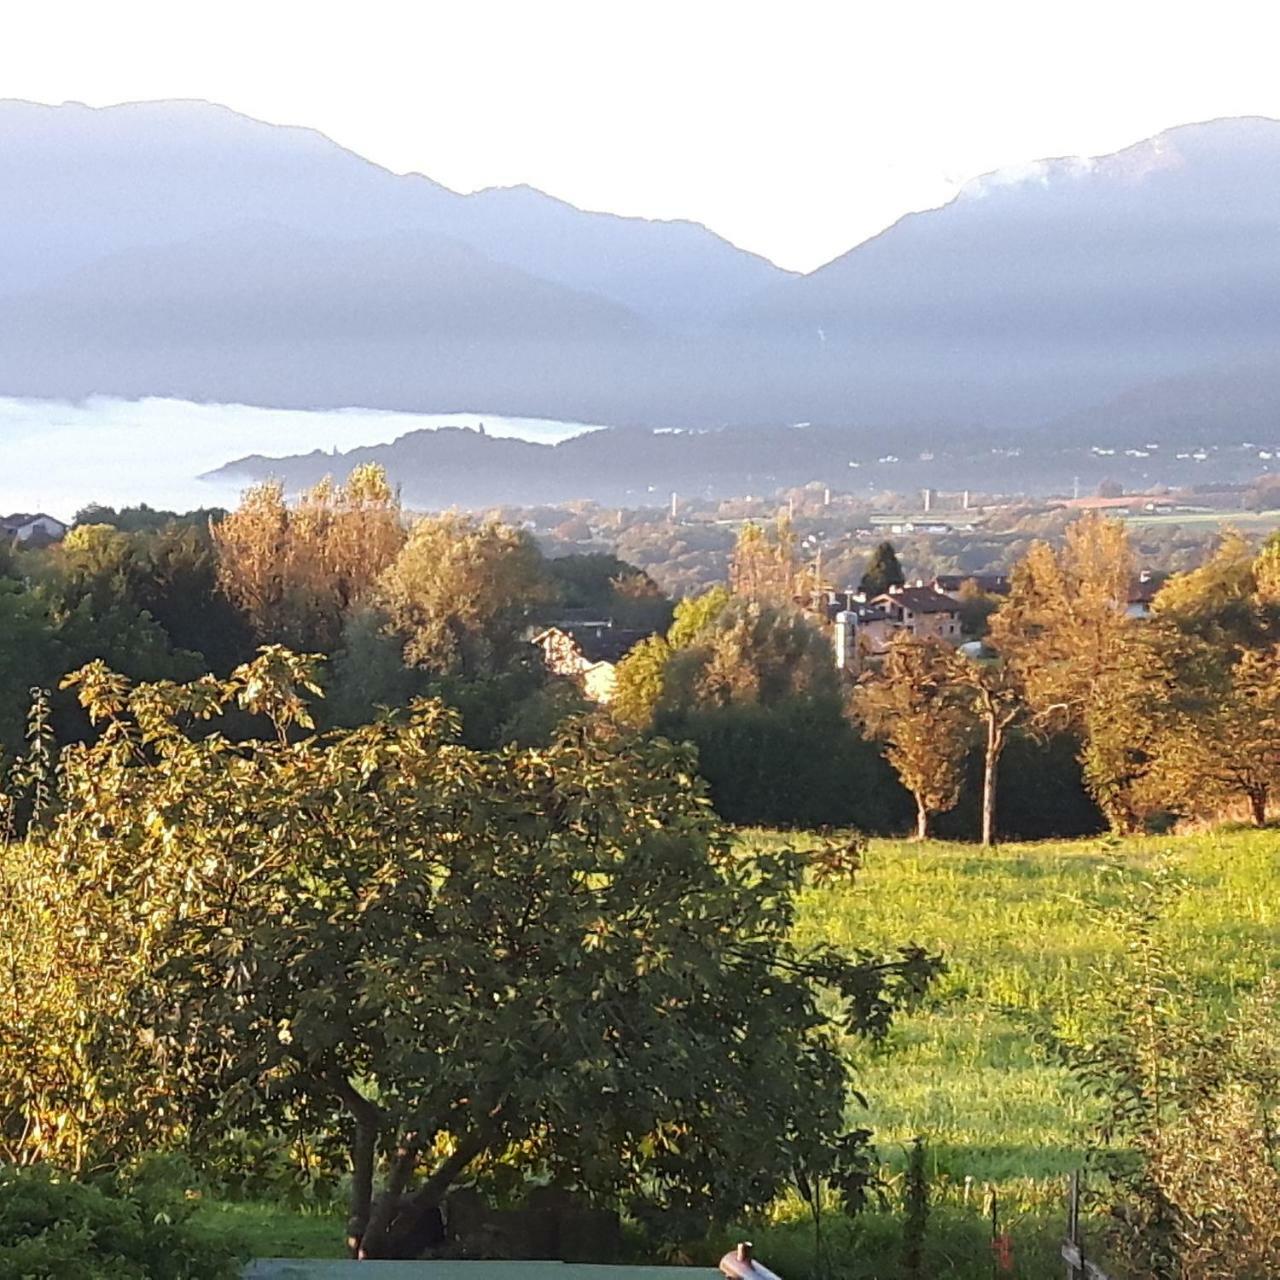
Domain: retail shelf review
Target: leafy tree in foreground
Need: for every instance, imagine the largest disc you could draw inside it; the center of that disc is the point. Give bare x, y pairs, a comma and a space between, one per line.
912, 704
1187, 1122
452, 957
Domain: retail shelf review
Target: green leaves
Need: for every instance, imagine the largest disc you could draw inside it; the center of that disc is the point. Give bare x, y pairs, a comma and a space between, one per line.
548, 959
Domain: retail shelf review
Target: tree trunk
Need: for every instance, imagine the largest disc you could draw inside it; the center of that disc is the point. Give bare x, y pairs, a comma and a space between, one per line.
1258, 806
404, 1223
995, 743
922, 819
364, 1148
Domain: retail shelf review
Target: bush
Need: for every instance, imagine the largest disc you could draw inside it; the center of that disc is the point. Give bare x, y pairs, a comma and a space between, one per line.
54, 1228
797, 763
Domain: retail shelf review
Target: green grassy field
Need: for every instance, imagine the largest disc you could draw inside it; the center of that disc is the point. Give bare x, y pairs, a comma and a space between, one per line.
1026, 929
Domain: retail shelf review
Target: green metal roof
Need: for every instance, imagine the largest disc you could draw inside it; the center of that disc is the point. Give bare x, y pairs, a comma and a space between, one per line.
288, 1269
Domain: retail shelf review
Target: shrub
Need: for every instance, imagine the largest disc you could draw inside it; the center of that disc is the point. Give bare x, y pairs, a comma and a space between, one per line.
55, 1228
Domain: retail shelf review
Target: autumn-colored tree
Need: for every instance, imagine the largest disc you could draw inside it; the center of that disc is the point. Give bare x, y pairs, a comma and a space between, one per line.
1060, 626
296, 570
1061, 635
765, 567
1216, 733
461, 591
993, 696
912, 705
1230, 601
1213, 724
1121, 719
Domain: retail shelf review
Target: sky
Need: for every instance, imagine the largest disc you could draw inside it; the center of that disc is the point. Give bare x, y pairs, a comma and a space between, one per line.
796, 129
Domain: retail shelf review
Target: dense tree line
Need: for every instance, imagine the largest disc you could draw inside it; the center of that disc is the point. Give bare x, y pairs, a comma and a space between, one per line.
1109, 721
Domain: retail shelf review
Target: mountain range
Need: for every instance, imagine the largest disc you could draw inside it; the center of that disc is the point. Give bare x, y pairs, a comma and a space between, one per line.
181, 249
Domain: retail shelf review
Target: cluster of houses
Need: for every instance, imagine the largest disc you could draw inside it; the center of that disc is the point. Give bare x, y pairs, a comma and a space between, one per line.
588, 650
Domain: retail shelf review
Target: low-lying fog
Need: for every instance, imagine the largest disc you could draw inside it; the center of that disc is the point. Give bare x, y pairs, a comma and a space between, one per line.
58, 457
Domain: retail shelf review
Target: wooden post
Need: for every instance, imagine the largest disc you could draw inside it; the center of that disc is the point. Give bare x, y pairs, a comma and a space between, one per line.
995, 1231
1073, 1221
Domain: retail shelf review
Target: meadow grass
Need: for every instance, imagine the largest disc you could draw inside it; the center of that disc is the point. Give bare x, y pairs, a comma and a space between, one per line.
259, 1229
1033, 941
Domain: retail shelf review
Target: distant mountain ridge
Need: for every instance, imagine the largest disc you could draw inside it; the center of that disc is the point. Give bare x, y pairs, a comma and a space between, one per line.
182, 249
160, 172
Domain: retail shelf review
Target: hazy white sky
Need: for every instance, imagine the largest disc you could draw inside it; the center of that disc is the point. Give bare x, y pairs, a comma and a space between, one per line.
795, 128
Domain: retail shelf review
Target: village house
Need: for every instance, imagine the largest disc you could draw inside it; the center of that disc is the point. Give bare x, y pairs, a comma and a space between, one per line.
865, 628
588, 654
38, 528
922, 611
862, 631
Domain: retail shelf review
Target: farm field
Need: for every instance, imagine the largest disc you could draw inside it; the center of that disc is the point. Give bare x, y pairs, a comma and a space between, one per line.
1029, 943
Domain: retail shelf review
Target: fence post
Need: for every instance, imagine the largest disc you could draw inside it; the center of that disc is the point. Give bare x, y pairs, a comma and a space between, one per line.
1073, 1222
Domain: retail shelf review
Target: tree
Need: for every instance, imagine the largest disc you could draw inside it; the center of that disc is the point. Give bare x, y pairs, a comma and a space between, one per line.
976, 609
1216, 734
460, 593
1229, 600
1211, 728
553, 957
368, 672
696, 615
177, 584
1062, 634
911, 704
28, 655
994, 697
619, 591
764, 567
882, 572
754, 688
754, 653
295, 571
641, 680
